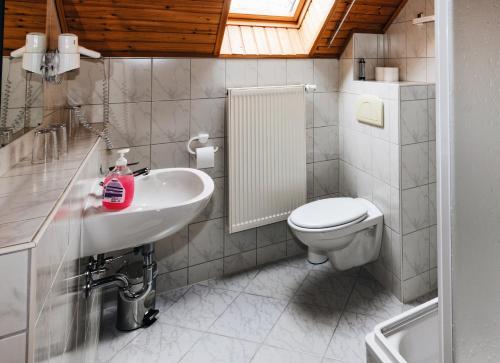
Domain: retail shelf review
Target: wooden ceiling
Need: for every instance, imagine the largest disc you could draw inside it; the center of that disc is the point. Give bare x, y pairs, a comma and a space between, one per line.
365, 16
21, 17
147, 27
183, 27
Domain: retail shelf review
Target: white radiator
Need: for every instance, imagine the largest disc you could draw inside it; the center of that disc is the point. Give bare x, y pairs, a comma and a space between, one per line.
266, 154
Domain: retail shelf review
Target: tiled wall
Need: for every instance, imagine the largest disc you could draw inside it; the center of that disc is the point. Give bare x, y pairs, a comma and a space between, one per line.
395, 168
13, 306
64, 325
157, 104
17, 105
409, 47
369, 166
412, 47
418, 195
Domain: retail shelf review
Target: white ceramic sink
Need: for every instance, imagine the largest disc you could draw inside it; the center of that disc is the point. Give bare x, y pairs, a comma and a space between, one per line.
165, 201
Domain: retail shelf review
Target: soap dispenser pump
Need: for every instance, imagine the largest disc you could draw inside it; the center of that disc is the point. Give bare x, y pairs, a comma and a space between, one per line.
119, 185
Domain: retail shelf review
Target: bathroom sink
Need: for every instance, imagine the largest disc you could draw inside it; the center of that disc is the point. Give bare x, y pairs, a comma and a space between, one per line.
165, 201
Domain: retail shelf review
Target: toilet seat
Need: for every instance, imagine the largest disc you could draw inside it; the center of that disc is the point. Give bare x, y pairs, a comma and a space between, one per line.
328, 213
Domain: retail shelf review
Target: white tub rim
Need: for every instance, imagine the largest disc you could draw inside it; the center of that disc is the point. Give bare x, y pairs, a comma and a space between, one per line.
399, 322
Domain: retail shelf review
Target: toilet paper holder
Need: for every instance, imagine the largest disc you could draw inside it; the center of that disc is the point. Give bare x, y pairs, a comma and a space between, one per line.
202, 139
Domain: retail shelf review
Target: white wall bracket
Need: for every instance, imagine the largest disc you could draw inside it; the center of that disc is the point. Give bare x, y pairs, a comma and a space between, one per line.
202, 138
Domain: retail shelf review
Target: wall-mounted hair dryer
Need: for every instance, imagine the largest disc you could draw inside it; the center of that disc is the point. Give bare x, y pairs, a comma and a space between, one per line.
70, 51
32, 52
66, 58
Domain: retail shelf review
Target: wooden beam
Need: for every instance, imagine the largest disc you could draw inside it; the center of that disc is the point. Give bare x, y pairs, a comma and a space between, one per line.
61, 16
323, 28
394, 15
222, 27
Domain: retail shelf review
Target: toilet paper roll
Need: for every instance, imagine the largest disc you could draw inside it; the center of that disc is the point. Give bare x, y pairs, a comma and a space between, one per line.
391, 74
379, 73
205, 157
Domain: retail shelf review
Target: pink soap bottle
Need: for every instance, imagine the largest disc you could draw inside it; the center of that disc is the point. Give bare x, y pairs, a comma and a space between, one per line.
119, 185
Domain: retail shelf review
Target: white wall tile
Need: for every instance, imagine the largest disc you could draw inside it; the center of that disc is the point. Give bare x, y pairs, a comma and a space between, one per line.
414, 165
431, 70
395, 166
240, 241
85, 85
415, 209
416, 69
416, 287
271, 72
215, 207
171, 79
413, 8
130, 124
433, 247
326, 177
431, 114
326, 143
206, 241
271, 253
240, 262
241, 73
130, 80
310, 145
326, 74
14, 297
395, 210
170, 121
271, 234
432, 162
413, 93
432, 204
13, 348
207, 115
299, 71
206, 271
171, 155
208, 78
382, 197
396, 37
431, 42
365, 45
326, 109
172, 280
416, 253
381, 160
397, 254
414, 123
172, 252
416, 41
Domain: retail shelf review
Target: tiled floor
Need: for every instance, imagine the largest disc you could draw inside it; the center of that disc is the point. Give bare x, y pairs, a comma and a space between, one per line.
288, 312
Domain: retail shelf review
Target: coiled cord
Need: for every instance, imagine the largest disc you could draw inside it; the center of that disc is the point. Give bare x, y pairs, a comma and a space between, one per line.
24, 114
77, 111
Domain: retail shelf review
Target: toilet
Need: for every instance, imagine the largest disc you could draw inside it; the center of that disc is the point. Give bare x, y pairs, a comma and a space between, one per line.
346, 231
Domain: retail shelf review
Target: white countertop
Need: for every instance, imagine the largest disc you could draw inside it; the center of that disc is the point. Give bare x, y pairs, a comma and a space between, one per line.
29, 193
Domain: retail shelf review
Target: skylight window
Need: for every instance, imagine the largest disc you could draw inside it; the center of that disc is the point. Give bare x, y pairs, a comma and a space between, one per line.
267, 10
280, 8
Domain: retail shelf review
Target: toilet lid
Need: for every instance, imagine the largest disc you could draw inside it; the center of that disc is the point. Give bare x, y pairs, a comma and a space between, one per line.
327, 213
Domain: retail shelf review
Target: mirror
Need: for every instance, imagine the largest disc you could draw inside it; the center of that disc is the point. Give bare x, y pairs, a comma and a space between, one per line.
22, 92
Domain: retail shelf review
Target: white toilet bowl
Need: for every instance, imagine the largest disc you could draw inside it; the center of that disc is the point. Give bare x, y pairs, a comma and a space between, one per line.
345, 230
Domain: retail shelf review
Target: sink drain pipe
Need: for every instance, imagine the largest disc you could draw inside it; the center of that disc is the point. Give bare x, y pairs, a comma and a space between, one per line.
136, 304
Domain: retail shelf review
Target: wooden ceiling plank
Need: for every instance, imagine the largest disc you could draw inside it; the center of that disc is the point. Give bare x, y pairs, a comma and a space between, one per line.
284, 39
222, 27
330, 14
236, 40
273, 41
249, 40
